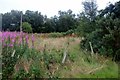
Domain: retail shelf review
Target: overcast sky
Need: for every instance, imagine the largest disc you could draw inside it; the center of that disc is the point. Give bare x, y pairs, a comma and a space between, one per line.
48, 7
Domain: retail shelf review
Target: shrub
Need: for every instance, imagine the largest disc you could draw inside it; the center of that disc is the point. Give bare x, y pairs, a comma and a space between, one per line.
105, 40
94, 39
26, 27
85, 27
69, 32
55, 35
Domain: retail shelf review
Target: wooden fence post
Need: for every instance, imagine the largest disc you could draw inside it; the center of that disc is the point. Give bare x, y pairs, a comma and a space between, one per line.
92, 52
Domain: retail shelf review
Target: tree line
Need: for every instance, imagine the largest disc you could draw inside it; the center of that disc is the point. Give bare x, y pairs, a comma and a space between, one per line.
65, 21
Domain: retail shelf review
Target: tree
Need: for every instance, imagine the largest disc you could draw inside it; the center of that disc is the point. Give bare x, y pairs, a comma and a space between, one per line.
36, 19
105, 38
90, 9
66, 21
87, 18
50, 25
113, 10
26, 27
40, 24
11, 20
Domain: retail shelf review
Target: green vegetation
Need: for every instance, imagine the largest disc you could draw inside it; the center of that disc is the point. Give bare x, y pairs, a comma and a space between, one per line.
47, 64
63, 46
104, 33
40, 23
45, 60
26, 27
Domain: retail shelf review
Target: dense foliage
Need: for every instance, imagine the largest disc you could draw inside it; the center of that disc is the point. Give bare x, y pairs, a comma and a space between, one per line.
105, 37
40, 24
26, 27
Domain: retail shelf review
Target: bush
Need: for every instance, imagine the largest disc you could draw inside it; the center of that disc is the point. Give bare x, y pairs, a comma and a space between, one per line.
26, 27
94, 39
69, 32
55, 35
105, 40
85, 27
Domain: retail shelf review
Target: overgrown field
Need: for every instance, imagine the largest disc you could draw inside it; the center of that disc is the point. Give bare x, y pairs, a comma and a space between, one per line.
42, 57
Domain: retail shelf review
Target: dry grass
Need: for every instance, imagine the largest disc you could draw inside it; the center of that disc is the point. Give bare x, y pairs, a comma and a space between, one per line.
54, 43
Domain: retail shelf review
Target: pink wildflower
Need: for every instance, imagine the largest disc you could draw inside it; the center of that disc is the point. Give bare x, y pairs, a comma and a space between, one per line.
10, 45
26, 39
13, 40
33, 41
